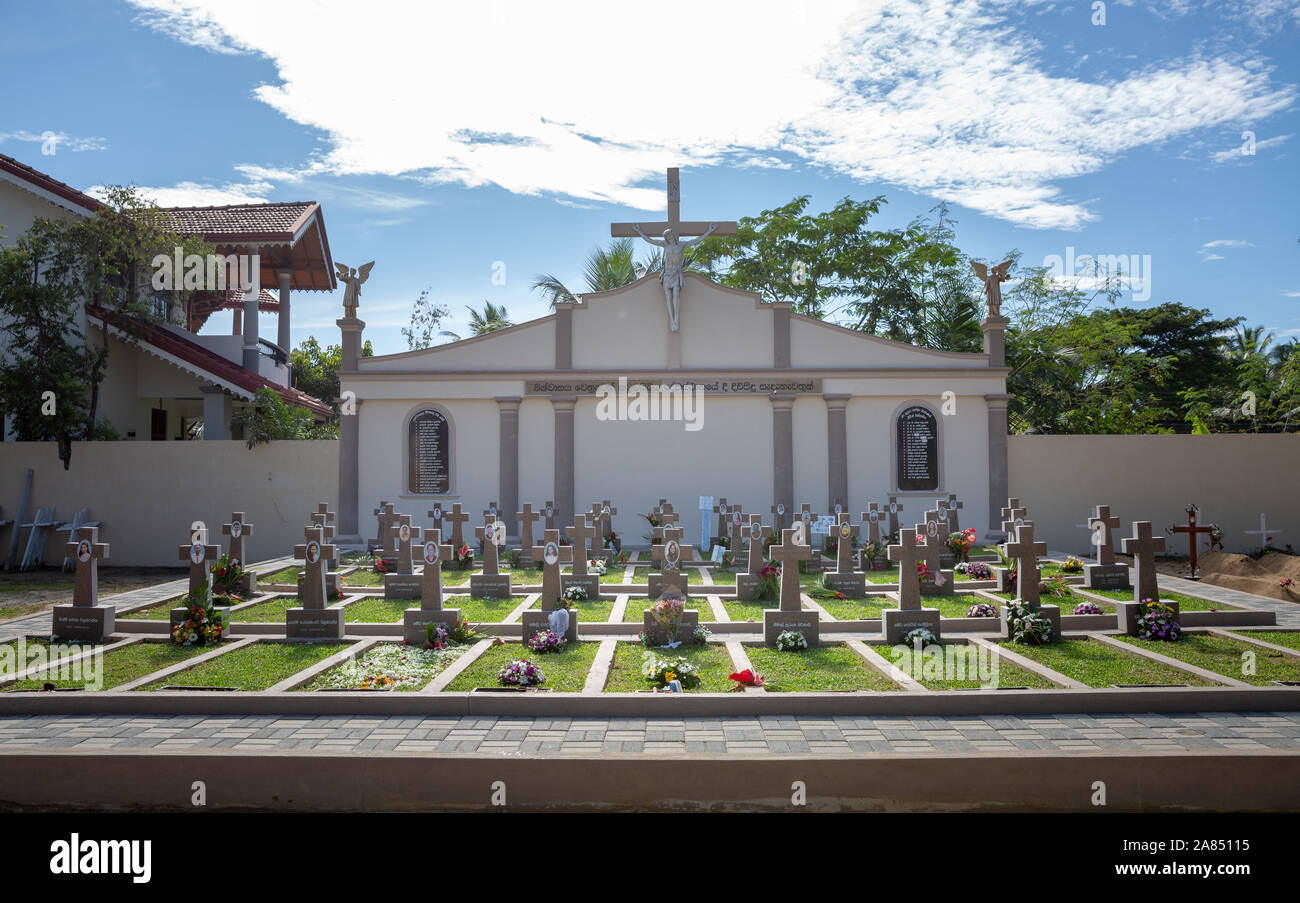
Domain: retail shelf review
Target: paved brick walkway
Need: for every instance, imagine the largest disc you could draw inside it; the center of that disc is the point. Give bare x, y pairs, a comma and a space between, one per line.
775, 735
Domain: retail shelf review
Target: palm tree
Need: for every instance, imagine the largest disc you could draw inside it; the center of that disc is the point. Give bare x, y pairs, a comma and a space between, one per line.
606, 268
1250, 341
490, 319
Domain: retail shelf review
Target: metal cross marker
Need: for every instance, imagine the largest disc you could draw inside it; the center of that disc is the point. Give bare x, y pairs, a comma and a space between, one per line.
1192, 529
1264, 533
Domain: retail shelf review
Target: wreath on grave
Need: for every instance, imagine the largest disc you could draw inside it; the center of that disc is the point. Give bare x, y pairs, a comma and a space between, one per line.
203, 623
1158, 622
1027, 625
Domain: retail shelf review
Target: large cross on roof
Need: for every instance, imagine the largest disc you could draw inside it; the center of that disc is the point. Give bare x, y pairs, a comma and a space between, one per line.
674, 221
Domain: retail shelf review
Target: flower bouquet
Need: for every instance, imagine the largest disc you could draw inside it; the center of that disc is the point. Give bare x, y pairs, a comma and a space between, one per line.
464, 558
667, 614
922, 635
791, 641
226, 577
1158, 622
975, 570
1087, 608
203, 624
873, 555
746, 678
545, 642
769, 582
663, 671
982, 610
1072, 565
1027, 625
960, 543
575, 593
596, 567
521, 673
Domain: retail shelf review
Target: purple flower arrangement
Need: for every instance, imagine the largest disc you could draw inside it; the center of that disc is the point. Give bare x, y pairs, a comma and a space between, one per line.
982, 610
1158, 622
521, 673
978, 570
1087, 608
546, 641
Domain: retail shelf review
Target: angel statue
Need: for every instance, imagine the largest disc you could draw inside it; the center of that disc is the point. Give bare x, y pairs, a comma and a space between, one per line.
352, 278
670, 277
992, 280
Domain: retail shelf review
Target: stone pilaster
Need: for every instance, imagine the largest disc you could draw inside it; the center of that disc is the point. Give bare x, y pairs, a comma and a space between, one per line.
564, 408
216, 412
783, 449
508, 481
349, 439
999, 482
837, 450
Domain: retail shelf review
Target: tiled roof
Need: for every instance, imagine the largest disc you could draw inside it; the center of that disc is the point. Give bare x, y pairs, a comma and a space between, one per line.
242, 222
218, 367
40, 180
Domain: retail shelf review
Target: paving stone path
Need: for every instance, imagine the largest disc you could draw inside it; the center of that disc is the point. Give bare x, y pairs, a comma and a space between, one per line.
749, 736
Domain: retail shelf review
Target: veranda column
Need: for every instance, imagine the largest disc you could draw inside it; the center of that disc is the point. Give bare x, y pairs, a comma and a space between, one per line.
349, 438
508, 487
252, 353
564, 406
216, 412
998, 476
783, 449
837, 451
282, 324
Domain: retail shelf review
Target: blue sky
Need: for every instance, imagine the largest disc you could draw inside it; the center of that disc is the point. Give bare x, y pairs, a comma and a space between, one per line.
443, 140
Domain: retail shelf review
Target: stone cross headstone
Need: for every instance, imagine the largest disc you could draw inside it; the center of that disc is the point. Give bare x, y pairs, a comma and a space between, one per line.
871, 517
607, 512
201, 557
493, 511
894, 509
669, 554
935, 530
757, 534
552, 555
315, 553
1193, 531
1264, 533
723, 511
778, 514
1103, 525
86, 550
548, 514
908, 555
737, 532
456, 518
488, 534
583, 532
526, 519
954, 525
845, 533
787, 554
1144, 547
491, 583
386, 514
238, 530
405, 534
1013, 515
434, 553
1025, 551
667, 518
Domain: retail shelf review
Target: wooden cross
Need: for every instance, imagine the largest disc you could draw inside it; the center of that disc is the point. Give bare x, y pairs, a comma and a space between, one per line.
894, 509
1192, 529
844, 534
1265, 534
607, 512
722, 511
456, 517
551, 554
757, 534
674, 222
385, 514
1143, 547
787, 554
404, 534
434, 553
778, 514
907, 554
1026, 552
86, 550
549, 514
200, 556
580, 532
314, 553
737, 531
487, 534
953, 507
237, 530
935, 529
871, 518
526, 519
1102, 518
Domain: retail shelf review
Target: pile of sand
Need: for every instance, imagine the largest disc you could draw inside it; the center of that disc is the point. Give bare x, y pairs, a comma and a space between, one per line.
1241, 572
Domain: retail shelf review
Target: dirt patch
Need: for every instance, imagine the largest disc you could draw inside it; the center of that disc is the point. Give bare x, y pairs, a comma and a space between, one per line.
1260, 586
1240, 572
30, 592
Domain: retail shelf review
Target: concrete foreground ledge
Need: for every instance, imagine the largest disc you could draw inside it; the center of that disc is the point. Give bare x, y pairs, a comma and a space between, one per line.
661, 705
1026, 781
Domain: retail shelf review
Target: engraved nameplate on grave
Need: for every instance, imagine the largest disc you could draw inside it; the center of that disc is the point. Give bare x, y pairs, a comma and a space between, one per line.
918, 450
428, 458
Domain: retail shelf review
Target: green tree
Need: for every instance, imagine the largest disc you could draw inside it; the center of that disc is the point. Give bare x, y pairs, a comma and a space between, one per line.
316, 370
610, 267
426, 317
269, 418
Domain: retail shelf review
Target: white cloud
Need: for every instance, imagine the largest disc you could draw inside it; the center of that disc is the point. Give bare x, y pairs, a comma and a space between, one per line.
57, 140
592, 100
192, 194
1234, 154
1229, 243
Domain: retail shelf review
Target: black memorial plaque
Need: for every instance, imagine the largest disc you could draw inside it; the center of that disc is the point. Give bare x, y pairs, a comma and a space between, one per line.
918, 450
429, 456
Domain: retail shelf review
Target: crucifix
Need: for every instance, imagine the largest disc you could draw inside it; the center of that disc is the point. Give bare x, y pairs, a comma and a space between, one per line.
315, 553
526, 519
86, 550
237, 530
778, 514
1103, 525
1192, 529
844, 534
953, 507
405, 534
1143, 547
787, 554
1026, 552
756, 533
893, 508
1264, 533
871, 518
199, 555
434, 554
907, 554
582, 530
488, 534
552, 555
674, 265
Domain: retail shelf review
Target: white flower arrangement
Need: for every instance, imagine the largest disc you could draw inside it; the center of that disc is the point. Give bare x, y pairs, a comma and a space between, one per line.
390, 666
924, 634
791, 641
575, 593
596, 566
